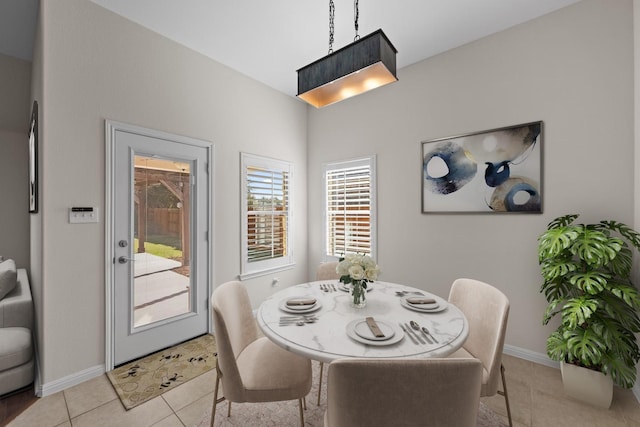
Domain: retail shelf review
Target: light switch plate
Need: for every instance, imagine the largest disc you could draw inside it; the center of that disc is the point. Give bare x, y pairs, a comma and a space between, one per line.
83, 215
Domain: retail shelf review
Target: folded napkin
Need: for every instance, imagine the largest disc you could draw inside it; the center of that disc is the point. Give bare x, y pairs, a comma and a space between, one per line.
373, 326
417, 300
298, 301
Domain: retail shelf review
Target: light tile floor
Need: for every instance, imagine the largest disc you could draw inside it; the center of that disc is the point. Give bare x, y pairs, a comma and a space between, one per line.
538, 400
535, 392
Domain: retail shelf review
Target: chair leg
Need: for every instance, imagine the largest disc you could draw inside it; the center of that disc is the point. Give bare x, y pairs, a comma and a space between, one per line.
215, 400
505, 395
301, 413
229, 410
320, 382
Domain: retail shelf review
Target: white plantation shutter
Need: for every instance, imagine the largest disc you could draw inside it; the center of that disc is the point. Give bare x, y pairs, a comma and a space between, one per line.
267, 211
350, 207
266, 215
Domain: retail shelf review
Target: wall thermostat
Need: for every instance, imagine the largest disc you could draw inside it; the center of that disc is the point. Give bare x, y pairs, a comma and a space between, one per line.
83, 215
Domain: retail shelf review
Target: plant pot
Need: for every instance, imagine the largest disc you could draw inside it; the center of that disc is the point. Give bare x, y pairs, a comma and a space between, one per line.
587, 385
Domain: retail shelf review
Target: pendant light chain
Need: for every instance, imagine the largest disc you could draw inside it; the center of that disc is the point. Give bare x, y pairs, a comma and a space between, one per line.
332, 11
356, 16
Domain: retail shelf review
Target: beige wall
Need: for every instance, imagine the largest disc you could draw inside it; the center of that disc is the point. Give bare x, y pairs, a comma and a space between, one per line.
14, 200
15, 110
573, 69
96, 66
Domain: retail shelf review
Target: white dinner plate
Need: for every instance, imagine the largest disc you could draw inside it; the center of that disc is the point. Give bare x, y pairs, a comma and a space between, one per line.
398, 334
347, 288
363, 330
437, 307
299, 309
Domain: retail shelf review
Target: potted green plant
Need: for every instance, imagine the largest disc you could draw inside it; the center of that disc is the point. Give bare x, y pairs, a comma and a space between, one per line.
587, 281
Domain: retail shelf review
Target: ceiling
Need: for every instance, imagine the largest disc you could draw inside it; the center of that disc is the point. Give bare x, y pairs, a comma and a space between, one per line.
270, 40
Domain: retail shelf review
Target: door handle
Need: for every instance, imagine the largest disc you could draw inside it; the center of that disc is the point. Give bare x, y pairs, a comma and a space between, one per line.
124, 259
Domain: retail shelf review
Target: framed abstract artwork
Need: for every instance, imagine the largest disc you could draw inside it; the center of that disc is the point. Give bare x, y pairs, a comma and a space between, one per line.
33, 159
498, 170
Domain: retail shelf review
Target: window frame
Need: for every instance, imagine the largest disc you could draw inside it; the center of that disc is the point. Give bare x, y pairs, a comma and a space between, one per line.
369, 161
287, 261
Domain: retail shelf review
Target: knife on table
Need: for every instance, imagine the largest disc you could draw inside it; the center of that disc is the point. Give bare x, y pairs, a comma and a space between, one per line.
407, 333
418, 337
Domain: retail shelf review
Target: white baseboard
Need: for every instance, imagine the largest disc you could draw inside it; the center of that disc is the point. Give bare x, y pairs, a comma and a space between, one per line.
531, 356
52, 387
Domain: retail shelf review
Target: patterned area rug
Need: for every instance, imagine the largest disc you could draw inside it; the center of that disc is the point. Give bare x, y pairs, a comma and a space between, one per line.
284, 414
143, 379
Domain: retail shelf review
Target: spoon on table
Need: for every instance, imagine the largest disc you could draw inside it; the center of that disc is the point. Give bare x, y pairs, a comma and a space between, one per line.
416, 327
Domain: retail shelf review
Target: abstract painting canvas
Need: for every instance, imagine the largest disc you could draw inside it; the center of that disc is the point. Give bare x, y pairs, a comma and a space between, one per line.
498, 170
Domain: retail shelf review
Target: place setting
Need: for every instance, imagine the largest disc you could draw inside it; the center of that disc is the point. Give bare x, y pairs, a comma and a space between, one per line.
300, 305
374, 332
328, 287
423, 303
297, 320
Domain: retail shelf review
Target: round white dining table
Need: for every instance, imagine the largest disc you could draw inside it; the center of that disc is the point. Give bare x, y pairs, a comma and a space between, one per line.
336, 329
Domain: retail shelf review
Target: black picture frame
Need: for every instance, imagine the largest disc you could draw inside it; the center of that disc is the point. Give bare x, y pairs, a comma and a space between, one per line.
33, 159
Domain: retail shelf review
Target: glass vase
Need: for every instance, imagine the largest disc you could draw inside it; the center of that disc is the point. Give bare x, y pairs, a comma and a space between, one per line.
358, 294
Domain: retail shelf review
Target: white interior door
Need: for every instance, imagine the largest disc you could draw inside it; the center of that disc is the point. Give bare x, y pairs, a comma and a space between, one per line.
158, 241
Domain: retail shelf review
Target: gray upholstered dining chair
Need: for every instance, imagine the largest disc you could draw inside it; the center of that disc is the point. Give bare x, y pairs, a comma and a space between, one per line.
250, 366
403, 392
325, 271
487, 310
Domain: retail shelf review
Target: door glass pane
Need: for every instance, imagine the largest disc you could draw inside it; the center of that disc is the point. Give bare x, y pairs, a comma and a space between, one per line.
162, 230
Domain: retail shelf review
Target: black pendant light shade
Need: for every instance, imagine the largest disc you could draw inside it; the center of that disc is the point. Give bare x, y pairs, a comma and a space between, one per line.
365, 64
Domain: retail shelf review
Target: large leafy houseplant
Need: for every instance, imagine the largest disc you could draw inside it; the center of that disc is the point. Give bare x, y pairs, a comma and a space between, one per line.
587, 281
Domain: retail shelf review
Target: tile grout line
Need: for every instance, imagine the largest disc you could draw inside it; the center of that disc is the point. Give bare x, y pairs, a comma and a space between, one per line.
531, 401
172, 410
92, 409
66, 406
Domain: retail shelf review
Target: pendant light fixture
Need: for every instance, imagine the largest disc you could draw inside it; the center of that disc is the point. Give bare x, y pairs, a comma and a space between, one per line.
367, 63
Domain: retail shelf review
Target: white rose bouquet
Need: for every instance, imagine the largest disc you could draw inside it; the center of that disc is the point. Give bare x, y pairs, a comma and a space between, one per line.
357, 270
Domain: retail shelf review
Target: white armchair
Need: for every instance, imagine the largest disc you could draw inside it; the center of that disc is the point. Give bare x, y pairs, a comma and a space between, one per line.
16, 342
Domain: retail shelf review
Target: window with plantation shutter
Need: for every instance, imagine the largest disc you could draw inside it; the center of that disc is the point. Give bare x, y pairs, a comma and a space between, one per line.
266, 211
350, 207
